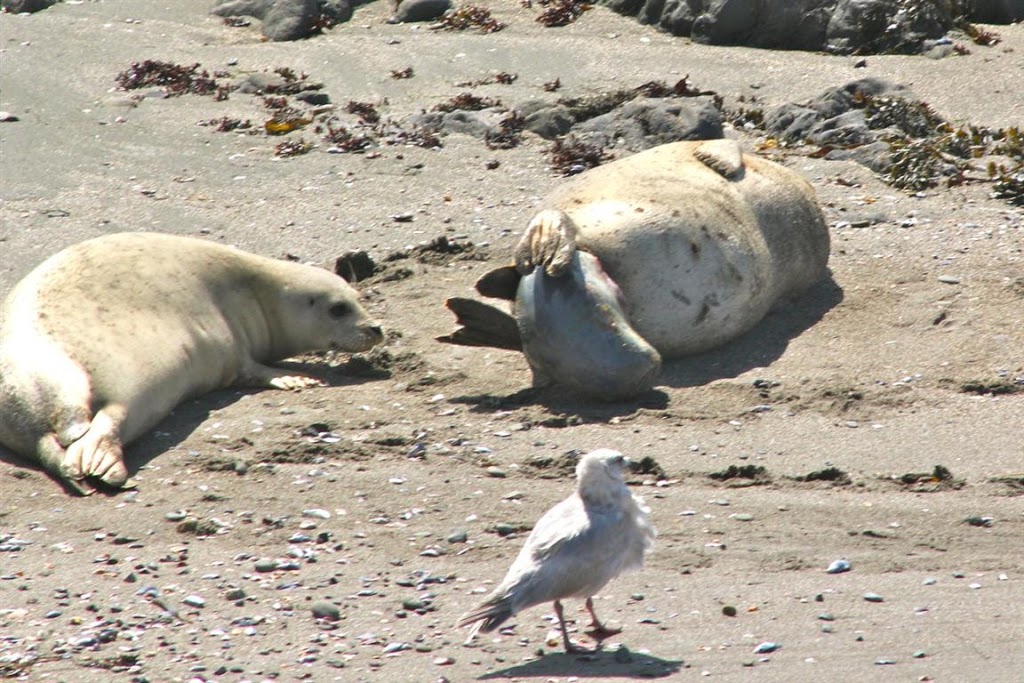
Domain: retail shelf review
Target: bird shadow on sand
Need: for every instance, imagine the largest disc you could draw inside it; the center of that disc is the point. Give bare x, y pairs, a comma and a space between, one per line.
759, 347
620, 663
187, 416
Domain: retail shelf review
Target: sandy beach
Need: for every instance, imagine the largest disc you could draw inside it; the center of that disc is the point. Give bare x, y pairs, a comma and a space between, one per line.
394, 498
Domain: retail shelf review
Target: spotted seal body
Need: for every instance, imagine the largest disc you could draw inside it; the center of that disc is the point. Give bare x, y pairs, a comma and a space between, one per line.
102, 340
700, 239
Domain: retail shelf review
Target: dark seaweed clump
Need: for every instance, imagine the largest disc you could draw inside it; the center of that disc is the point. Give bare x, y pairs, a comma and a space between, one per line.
570, 156
561, 12
467, 102
468, 17
174, 79
508, 133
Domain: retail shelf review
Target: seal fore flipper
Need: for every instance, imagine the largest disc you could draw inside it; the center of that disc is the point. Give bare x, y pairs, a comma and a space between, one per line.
549, 242
724, 157
481, 325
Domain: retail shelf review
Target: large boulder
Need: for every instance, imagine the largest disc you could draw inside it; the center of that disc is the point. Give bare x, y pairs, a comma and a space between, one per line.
838, 26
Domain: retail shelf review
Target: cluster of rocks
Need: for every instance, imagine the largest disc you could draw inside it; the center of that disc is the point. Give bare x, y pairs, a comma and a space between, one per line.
838, 26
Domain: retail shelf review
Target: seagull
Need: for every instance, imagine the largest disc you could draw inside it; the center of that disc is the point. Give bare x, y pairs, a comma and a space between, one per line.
577, 547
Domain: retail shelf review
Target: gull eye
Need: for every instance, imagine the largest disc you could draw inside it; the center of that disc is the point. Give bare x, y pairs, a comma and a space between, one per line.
339, 310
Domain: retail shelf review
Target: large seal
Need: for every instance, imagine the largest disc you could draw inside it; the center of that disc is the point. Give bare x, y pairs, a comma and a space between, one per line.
665, 253
102, 340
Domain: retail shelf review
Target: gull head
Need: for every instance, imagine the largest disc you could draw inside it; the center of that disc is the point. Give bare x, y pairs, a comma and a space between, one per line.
599, 476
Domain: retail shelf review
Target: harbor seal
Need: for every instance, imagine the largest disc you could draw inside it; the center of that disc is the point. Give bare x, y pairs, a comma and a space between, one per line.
102, 340
666, 253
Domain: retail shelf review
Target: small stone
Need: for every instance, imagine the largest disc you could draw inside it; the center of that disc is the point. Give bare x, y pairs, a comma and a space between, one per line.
838, 567
826, 616
318, 513
264, 566
496, 472
920, 654
885, 662
729, 611
235, 594
873, 597
743, 517
194, 601
766, 647
176, 516
325, 610
459, 536
949, 279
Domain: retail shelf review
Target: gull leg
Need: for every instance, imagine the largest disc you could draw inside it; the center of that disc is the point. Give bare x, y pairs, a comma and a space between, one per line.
570, 647
598, 631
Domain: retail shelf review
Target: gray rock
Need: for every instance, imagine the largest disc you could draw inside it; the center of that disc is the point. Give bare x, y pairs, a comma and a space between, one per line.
288, 19
996, 11
548, 121
242, 8
841, 26
291, 20
27, 6
645, 122
419, 10
475, 123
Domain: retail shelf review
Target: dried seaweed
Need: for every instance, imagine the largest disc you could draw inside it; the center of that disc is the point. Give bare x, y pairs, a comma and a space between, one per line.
173, 79
293, 148
468, 17
508, 133
399, 74
364, 110
570, 156
466, 102
561, 12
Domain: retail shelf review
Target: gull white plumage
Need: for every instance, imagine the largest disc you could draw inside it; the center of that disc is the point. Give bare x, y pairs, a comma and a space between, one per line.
574, 550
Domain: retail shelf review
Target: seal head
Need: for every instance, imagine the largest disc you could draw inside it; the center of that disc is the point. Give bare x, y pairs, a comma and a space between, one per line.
575, 332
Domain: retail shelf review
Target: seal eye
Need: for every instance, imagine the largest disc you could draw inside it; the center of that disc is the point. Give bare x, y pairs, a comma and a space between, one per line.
339, 310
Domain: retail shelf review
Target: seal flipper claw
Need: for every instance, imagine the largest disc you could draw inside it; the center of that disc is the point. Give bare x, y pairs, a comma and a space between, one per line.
549, 242
98, 454
724, 157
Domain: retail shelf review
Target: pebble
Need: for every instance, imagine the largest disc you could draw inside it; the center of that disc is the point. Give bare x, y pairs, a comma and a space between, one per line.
743, 517
496, 472
325, 610
176, 515
235, 594
318, 513
766, 647
729, 611
395, 647
265, 565
930, 581
460, 536
7, 117
838, 567
949, 279
194, 601
873, 597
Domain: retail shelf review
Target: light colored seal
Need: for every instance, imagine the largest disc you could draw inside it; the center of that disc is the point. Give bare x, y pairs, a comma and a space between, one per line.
102, 340
692, 244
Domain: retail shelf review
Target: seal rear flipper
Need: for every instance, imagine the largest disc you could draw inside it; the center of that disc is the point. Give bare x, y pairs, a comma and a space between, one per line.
500, 283
482, 325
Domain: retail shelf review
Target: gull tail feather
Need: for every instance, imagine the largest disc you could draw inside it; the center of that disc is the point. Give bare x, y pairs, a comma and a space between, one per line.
488, 616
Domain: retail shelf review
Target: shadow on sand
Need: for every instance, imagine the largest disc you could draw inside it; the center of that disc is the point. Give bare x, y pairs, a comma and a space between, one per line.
186, 418
759, 347
620, 663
